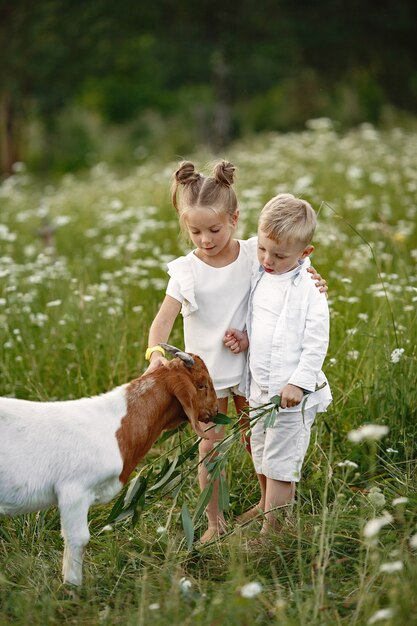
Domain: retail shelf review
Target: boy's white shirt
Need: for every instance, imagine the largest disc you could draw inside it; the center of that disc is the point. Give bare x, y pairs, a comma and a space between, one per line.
300, 340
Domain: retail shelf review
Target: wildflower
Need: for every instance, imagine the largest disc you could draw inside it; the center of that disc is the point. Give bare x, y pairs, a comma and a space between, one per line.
372, 432
161, 530
353, 355
392, 451
376, 498
185, 585
413, 542
396, 355
347, 464
351, 331
364, 317
154, 606
53, 303
372, 528
394, 566
251, 590
107, 529
381, 615
400, 500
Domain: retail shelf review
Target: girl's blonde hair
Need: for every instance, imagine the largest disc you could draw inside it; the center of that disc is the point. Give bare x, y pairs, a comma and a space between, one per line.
192, 190
289, 218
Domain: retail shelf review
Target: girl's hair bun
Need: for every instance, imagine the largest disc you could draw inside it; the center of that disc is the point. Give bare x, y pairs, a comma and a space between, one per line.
186, 173
224, 173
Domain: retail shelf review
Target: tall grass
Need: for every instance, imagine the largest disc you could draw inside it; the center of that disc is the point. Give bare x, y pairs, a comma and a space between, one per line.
74, 319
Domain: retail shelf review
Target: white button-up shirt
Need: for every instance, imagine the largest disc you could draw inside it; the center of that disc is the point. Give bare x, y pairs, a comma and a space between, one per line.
299, 341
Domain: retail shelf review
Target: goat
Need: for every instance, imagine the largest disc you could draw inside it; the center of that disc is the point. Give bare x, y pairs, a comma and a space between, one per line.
77, 453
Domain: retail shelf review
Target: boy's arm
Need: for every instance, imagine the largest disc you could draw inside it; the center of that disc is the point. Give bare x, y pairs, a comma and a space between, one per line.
236, 340
314, 344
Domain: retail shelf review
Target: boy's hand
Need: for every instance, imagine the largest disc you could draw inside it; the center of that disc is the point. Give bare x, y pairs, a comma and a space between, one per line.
321, 283
236, 340
291, 396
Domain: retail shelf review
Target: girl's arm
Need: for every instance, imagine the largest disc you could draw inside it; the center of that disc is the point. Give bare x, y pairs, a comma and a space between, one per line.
161, 328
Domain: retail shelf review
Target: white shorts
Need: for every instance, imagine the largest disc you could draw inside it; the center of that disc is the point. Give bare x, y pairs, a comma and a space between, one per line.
278, 451
229, 391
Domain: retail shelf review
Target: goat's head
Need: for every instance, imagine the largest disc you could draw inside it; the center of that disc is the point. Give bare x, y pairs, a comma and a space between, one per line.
191, 384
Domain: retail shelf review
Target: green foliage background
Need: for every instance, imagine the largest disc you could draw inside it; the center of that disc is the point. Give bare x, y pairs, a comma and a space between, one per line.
83, 81
74, 318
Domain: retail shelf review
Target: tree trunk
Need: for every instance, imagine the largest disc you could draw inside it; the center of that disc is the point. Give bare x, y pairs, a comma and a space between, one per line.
222, 123
9, 152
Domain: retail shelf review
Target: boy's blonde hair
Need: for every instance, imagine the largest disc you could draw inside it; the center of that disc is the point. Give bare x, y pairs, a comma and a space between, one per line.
192, 190
289, 218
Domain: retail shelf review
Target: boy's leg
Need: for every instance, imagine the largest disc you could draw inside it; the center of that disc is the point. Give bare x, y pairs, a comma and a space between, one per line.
259, 508
216, 521
278, 494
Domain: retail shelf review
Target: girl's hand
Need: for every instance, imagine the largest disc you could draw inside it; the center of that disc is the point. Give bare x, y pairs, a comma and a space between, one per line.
321, 283
236, 340
157, 361
291, 395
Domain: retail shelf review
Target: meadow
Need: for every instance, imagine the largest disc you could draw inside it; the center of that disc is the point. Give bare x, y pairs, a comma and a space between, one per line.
82, 271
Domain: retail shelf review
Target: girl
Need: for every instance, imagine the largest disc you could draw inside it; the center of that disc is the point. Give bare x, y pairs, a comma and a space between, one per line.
210, 286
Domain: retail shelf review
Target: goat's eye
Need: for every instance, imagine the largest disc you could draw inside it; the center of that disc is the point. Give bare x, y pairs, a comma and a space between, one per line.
202, 386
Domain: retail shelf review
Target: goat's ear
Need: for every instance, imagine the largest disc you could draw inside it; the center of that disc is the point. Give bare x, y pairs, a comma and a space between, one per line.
186, 395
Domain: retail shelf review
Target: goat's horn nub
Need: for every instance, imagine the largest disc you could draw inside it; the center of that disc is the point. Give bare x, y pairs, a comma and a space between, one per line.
184, 356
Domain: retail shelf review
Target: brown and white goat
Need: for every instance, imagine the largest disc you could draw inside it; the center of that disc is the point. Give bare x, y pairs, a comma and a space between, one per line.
77, 453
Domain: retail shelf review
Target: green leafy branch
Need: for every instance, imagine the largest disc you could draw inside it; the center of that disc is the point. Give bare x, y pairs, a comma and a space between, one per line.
149, 486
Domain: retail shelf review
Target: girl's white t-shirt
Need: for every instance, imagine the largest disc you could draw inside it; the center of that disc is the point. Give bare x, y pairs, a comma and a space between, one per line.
213, 300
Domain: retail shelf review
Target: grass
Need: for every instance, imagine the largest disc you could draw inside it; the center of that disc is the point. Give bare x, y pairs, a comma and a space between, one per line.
74, 321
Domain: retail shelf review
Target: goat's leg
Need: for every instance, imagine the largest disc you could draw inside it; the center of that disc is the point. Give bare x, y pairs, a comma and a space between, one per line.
74, 529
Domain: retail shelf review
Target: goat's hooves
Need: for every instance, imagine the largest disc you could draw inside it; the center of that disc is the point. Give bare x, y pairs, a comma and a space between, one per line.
70, 592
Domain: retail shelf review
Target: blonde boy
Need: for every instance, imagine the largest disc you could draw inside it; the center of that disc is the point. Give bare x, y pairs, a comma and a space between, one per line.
288, 335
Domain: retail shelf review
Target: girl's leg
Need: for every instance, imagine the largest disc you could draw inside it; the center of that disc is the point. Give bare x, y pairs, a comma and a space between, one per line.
278, 493
241, 404
216, 521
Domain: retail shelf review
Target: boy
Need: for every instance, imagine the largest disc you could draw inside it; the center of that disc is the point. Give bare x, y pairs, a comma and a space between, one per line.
288, 335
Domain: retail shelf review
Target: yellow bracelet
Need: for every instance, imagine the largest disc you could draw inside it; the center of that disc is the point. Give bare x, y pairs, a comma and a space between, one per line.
149, 351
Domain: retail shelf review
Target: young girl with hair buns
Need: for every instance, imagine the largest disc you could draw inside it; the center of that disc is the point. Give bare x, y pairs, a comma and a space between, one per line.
210, 286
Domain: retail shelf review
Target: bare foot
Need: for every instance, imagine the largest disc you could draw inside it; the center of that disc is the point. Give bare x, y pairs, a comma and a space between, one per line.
249, 515
214, 532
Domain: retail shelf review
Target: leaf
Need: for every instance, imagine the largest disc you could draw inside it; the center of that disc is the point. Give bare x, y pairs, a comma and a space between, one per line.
117, 508
140, 505
188, 526
169, 433
123, 515
202, 502
136, 488
189, 453
276, 400
222, 419
270, 419
223, 493
166, 476
303, 404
